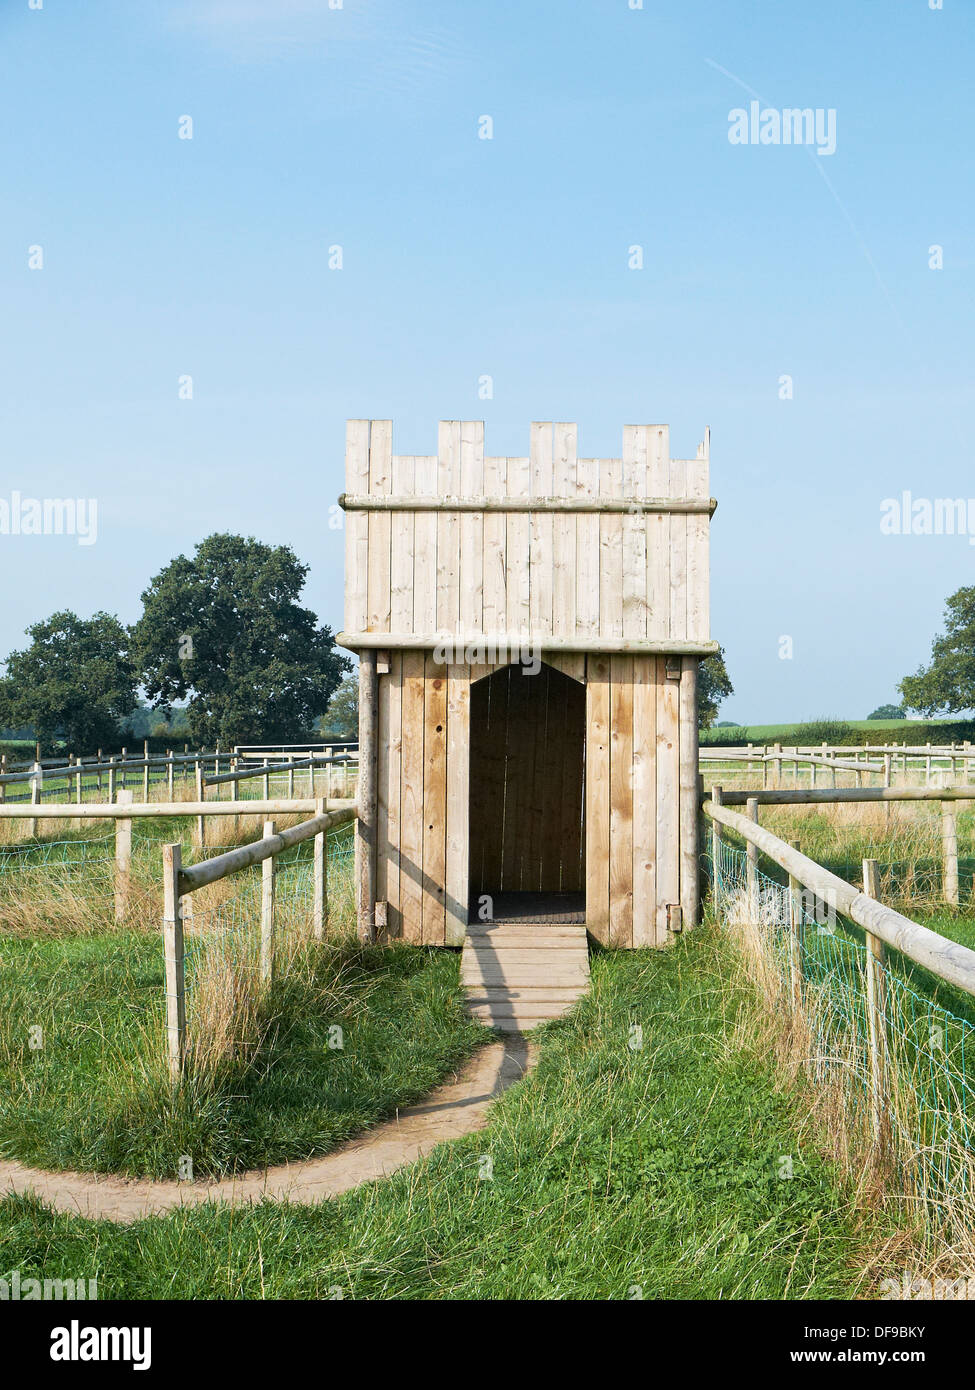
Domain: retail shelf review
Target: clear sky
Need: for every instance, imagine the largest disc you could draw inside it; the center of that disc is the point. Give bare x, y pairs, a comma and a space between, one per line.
462, 257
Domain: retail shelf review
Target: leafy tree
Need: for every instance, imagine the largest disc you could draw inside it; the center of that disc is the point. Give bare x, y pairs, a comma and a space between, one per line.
947, 685
713, 686
75, 679
341, 719
888, 712
224, 629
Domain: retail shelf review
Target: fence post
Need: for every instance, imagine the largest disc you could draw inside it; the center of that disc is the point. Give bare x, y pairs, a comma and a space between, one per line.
777, 747
291, 776
37, 776
267, 911
125, 754
751, 852
123, 858
795, 924
169, 773
145, 771
201, 833
3, 773
76, 759
267, 782
876, 1010
717, 795
173, 956
949, 840
367, 797
111, 778
100, 756
927, 767
235, 767
311, 774
320, 904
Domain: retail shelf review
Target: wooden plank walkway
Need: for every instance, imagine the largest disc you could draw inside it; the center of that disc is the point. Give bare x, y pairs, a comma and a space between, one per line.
517, 976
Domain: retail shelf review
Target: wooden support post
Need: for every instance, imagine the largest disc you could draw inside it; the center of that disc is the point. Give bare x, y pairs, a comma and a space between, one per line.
716, 835
145, 771
320, 889
37, 776
267, 781
366, 796
778, 765
874, 957
201, 832
949, 840
3, 773
751, 868
795, 928
927, 767
76, 760
311, 775
764, 767
123, 858
291, 778
689, 793
100, 756
234, 790
173, 957
111, 778
267, 911
170, 772
125, 754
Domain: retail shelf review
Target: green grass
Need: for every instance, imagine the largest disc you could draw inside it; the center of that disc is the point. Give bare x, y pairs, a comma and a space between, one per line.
95, 1096
610, 1172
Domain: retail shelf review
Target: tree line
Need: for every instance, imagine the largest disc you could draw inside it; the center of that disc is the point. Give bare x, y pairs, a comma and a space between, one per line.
221, 630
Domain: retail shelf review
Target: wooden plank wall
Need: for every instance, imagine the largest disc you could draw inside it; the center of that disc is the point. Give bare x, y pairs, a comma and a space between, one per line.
526, 575
632, 789
627, 843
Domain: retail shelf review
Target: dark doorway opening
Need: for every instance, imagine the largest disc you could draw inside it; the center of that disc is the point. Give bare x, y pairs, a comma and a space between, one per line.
527, 797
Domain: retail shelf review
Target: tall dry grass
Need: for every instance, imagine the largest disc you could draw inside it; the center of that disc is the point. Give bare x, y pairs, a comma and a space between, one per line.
906, 1147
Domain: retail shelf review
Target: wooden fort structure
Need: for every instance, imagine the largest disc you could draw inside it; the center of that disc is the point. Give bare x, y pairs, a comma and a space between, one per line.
529, 631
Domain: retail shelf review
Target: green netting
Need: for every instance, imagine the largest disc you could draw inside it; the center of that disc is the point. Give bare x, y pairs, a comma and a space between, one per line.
909, 1069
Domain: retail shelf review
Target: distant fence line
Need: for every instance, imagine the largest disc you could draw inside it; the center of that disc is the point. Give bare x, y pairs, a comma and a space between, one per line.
838, 796
892, 758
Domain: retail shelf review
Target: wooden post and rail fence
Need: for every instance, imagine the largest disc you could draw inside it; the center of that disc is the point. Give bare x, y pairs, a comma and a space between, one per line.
883, 926
179, 884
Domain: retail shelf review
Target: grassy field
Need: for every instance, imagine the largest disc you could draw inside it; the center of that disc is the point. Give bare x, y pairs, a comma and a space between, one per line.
625, 1166
912, 731
83, 1082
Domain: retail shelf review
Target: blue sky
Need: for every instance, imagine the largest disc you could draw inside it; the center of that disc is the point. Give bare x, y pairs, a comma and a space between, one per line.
463, 257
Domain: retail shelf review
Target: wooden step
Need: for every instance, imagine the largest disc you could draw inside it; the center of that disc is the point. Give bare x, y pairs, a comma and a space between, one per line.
522, 1008
516, 976
539, 994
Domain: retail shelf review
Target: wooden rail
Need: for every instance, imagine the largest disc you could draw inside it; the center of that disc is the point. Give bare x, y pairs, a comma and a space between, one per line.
179, 884
808, 796
949, 961
210, 870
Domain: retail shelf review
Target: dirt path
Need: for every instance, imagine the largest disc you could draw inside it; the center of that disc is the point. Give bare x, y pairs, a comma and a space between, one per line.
459, 1107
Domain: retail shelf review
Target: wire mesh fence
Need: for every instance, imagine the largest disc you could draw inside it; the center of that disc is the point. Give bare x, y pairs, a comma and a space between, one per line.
895, 1055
